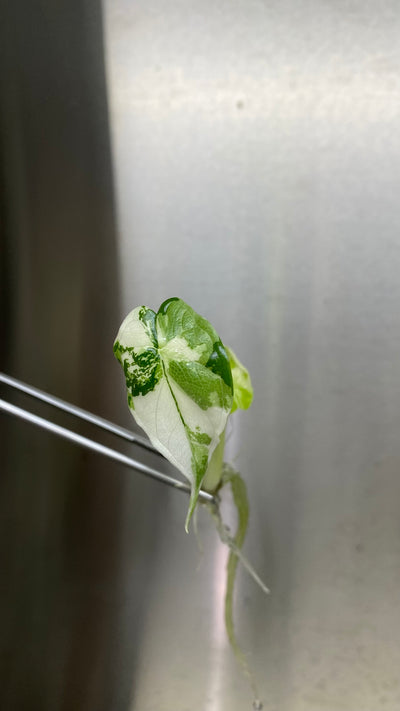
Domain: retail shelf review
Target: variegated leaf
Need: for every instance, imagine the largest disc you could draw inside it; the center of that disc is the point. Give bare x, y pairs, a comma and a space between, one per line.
179, 384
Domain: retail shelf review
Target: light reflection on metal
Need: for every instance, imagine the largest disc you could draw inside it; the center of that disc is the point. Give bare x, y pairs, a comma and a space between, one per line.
219, 636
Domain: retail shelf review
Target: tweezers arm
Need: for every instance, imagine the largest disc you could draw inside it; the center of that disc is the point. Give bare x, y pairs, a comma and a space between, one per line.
77, 412
97, 447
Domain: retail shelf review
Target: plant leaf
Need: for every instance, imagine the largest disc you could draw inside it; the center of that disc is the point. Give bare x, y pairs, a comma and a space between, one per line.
179, 384
242, 387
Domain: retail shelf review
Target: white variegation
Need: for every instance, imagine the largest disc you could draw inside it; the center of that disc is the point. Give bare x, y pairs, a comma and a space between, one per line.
133, 333
178, 349
157, 414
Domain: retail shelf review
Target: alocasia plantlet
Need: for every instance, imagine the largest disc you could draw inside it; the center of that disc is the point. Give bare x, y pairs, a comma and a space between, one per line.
183, 384
181, 389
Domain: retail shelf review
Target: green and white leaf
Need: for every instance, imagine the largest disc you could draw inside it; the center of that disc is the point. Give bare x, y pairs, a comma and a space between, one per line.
179, 384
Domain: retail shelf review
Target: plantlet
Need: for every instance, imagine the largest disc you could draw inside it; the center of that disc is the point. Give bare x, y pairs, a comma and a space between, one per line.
183, 384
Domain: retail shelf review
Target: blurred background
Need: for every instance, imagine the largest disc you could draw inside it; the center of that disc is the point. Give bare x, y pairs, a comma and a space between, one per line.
245, 156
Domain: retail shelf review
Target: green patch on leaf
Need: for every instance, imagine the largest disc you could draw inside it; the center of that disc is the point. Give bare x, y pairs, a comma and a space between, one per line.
219, 363
142, 370
203, 386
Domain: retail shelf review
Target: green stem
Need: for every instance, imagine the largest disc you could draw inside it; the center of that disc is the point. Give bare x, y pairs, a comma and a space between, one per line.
240, 499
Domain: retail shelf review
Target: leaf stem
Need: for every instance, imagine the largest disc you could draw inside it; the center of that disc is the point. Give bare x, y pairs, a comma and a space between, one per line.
240, 499
229, 541
212, 479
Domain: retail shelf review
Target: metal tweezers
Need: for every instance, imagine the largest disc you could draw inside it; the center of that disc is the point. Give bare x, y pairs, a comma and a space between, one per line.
91, 444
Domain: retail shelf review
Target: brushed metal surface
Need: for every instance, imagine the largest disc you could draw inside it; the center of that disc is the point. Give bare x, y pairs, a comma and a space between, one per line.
256, 164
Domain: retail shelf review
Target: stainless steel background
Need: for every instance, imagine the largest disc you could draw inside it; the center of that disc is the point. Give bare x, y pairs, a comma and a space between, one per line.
256, 160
